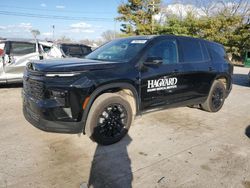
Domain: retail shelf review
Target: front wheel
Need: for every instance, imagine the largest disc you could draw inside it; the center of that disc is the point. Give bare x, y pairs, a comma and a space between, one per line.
109, 119
216, 97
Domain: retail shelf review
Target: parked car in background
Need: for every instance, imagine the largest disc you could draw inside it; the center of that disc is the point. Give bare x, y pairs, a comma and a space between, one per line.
249, 77
14, 55
247, 59
62, 50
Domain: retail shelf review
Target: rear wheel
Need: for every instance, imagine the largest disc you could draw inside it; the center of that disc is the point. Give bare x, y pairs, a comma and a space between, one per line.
215, 98
109, 119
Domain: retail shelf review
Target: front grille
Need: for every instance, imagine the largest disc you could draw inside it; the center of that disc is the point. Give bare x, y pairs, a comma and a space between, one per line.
34, 88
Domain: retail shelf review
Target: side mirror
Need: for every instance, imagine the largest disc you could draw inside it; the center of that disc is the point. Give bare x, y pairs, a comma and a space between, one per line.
153, 61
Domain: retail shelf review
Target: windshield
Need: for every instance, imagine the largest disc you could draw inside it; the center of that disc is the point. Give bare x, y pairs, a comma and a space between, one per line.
122, 50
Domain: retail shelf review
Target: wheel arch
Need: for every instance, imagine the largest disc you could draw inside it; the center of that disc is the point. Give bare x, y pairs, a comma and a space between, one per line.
119, 87
225, 79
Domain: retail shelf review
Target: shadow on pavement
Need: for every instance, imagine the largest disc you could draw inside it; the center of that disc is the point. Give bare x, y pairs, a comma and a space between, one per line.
18, 85
241, 80
247, 132
111, 166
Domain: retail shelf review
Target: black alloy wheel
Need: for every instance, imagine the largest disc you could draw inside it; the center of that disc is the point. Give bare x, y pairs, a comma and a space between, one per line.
109, 118
217, 98
112, 121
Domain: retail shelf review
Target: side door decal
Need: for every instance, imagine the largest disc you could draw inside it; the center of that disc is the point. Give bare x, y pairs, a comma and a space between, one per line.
162, 84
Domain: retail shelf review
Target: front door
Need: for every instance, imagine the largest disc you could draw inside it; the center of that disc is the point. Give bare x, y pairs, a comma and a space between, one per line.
160, 83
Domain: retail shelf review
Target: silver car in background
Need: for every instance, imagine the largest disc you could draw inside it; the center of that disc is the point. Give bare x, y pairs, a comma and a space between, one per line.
14, 55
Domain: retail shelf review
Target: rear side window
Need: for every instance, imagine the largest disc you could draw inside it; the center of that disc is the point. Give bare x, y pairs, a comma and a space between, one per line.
22, 48
205, 53
217, 51
191, 50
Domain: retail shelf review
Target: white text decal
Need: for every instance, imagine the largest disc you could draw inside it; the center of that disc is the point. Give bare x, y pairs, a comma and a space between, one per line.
162, 84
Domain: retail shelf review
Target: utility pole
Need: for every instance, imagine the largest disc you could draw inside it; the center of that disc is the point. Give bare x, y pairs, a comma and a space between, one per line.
53, 31
115, 30
152, 6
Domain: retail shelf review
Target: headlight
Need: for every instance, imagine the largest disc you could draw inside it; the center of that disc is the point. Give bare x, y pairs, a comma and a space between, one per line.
61, 74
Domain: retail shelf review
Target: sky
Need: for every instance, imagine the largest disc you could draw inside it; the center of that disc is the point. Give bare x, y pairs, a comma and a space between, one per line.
76, 19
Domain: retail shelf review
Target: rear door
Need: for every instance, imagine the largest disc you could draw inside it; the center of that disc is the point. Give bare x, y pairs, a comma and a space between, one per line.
19, 54
160, 84
197, 69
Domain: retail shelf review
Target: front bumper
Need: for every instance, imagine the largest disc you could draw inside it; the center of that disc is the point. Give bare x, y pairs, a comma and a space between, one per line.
36, 112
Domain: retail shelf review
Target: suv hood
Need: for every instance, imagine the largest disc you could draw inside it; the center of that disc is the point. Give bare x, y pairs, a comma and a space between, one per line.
70, 65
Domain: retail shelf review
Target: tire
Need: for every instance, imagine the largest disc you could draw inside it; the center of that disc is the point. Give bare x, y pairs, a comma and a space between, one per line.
216, 97
109, 119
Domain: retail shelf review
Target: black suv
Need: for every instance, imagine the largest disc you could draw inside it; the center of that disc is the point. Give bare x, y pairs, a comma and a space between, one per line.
101, 94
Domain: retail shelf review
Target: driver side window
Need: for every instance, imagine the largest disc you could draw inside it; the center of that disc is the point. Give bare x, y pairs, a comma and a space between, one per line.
165, 50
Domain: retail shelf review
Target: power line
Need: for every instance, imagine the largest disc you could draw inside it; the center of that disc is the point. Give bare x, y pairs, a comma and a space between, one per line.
51, 10
31, 15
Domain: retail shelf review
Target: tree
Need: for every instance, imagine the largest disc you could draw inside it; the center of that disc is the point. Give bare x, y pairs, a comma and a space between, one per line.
188, 26
224, 21
35, 33
137, 16
240, 42
64, 39
109, 35
92, 43
228, 24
